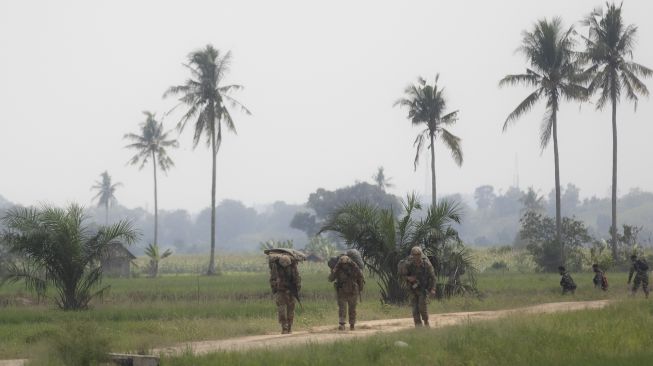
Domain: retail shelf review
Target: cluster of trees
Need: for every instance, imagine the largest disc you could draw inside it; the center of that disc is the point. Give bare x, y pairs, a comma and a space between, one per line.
558, 71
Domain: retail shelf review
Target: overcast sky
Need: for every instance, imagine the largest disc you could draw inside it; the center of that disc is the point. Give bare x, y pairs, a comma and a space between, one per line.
320, 79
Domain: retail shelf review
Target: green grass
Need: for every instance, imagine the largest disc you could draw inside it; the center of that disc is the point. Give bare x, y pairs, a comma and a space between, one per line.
618, 335
142, 313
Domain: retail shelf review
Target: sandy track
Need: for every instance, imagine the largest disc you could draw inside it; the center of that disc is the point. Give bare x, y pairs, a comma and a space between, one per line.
326, 334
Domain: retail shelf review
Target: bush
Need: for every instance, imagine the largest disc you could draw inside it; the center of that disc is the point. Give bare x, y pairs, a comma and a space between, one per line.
539, 232
78, 343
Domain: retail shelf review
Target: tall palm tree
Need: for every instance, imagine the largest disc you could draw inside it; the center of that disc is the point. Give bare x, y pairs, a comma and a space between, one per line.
207, 98
151, 143
555, 73
426, 105
381, 179
609, 52
105, 196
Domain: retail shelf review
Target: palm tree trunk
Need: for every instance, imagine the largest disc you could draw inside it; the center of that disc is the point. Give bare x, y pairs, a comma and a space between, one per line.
614, 178
212, 270
156, 203
556, 158
433, 197
106, 213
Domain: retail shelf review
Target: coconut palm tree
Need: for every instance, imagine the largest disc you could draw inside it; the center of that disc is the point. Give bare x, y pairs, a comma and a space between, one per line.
105, 193
207, 97
381, 180
384, 240
58, 249
152, 251
427, 105
151, 143
609, 53
555, 74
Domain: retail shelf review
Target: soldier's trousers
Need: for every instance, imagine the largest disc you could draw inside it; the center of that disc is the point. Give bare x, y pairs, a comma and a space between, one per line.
347, 304
641, 279
285, 308
418, 301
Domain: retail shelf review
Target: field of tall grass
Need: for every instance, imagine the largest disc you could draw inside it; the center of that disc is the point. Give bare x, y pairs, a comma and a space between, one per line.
141, 313
617, 335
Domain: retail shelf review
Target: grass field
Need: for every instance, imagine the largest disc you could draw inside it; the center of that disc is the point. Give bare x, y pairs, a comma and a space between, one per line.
617, 335
141, 313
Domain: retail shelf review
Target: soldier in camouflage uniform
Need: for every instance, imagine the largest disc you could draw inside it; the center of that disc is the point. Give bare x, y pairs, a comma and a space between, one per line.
284, 280
640, 269
419, 276
349, 283
566, 282
599, 280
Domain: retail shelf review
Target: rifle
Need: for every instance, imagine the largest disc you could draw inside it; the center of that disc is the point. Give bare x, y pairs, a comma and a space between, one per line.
292, 287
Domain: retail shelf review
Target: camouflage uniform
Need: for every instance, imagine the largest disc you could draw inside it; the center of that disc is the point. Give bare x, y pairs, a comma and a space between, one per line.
599, 279
640, 270
349, 283
418, 291
282, 279
567, 283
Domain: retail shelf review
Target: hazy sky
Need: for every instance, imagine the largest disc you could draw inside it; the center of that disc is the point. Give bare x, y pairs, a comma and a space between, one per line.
320, 79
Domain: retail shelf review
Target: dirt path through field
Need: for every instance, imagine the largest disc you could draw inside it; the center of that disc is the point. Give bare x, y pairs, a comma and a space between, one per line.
325, 334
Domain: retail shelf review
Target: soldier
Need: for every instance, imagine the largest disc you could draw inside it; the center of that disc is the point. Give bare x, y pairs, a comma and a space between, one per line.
566, 282
419, 276
640, 269
349, 283
600, 280
285, 283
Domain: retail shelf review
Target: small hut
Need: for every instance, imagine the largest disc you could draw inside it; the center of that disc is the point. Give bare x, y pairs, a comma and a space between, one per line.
117, 260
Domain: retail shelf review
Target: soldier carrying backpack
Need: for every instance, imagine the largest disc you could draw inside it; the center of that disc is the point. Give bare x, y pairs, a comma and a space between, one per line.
285, 283
640, 269
600, 280
349, 283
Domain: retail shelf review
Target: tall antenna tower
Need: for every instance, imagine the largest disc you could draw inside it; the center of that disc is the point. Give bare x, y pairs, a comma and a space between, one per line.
515, 179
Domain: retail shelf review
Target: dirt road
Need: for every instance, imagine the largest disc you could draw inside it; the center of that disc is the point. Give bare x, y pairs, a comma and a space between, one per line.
325, 334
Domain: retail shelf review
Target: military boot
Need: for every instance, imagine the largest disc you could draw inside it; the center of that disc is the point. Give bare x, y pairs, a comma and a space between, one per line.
418, 324
426, 324
352, 327
289, 329
284, 329
341, 326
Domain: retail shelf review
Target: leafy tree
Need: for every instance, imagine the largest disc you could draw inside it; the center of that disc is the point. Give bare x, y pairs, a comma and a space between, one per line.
427, 105
555, 73
322, 203
207, 98
384, 239
484, 197
381, 180
532, 202
539, 233
151, 143
106, 193
58, 248
609, 52
153, 252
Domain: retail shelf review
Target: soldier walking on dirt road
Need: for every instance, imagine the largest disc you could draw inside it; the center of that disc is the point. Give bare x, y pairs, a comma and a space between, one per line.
418, 274
349, 283
285, 283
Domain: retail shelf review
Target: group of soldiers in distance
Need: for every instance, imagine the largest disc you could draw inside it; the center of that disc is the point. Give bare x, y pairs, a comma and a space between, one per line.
416, 273
639, 268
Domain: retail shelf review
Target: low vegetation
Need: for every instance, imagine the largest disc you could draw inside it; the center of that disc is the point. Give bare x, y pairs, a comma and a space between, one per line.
617, 335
